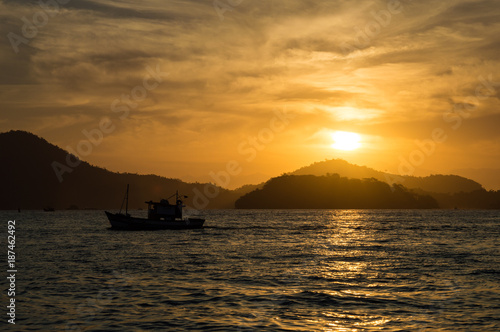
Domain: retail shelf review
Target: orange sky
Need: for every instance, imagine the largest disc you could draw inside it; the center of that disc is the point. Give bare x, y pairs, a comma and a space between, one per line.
188, 88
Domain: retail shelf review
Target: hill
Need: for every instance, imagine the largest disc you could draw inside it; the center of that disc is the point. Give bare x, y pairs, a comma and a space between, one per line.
442, 184
29, 179
332, 192
30, 164
488, 177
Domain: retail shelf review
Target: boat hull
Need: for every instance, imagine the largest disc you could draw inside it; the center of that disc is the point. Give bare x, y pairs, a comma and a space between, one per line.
126, 222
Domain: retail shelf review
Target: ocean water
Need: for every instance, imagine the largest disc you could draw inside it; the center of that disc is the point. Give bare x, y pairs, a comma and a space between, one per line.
258, 270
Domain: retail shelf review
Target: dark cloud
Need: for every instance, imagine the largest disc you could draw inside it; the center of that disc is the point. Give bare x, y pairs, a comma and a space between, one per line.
309, 93
114, 9
14, 66
471, 12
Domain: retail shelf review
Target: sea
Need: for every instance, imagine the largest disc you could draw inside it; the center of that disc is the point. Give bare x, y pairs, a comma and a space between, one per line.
256, 270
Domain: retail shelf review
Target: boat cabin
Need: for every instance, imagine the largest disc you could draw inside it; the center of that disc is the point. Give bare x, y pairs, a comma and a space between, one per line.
164, 210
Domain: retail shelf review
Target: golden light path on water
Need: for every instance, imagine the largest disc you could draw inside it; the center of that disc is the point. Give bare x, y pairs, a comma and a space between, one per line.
345, 270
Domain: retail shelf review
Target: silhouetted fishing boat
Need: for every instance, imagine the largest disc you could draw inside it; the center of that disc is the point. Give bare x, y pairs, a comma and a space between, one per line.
161, 215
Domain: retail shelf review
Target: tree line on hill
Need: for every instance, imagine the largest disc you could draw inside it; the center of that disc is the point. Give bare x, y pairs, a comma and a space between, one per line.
332, 192
477, 199
436, 183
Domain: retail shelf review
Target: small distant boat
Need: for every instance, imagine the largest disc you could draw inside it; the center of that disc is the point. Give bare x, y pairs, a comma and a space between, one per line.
161, 215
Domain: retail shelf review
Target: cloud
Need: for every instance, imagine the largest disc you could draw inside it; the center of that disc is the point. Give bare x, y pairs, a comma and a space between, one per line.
153, 10
225, 77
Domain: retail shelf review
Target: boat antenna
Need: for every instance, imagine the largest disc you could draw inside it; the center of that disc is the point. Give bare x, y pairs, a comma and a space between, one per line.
177, 195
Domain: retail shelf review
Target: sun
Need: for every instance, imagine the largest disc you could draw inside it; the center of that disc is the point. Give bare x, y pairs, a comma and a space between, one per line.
347, 141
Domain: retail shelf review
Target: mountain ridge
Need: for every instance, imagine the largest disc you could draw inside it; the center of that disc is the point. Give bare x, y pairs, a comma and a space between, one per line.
29, 171
30, 165
437, 183
332, 192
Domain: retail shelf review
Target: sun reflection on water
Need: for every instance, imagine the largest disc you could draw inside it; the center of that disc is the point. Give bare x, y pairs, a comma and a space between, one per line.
355, 270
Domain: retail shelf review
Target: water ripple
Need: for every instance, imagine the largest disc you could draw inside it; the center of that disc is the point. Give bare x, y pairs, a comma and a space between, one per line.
269, 270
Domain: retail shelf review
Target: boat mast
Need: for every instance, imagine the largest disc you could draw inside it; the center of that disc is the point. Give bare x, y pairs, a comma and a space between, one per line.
126, 204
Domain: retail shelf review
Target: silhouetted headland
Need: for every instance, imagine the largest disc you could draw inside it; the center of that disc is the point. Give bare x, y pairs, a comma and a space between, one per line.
332, 192
28, 176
